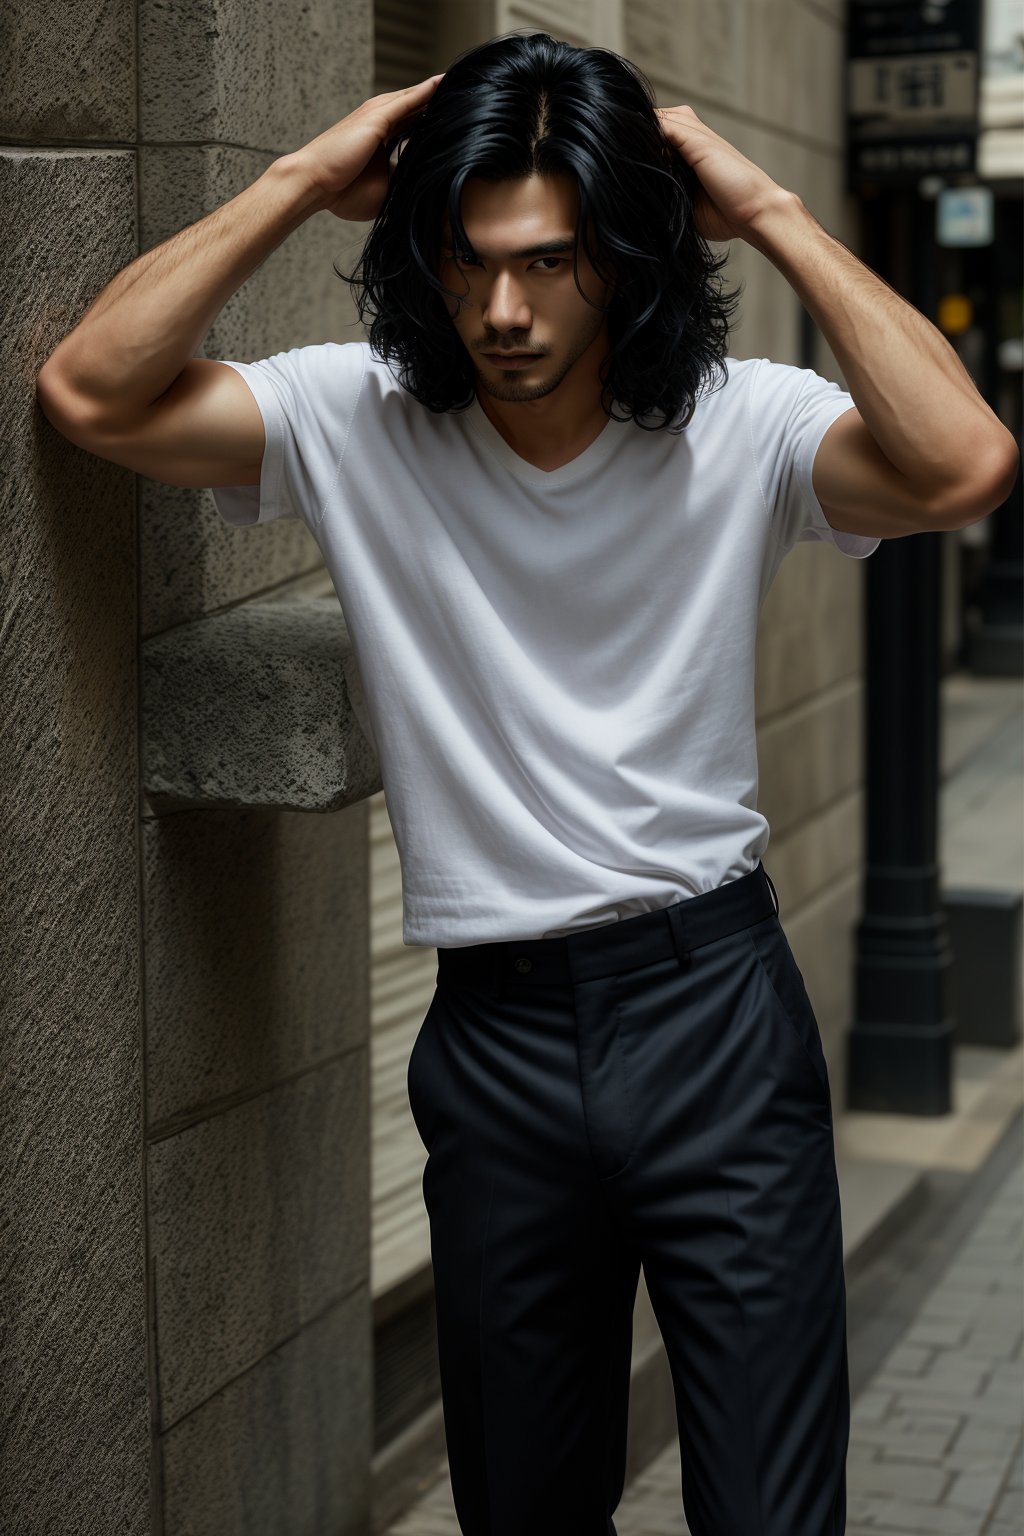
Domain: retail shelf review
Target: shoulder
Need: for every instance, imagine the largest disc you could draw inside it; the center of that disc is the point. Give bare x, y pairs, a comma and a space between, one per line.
742, 367
735, 375
785, 396
728, 387
380, 376
337, 359
320, 371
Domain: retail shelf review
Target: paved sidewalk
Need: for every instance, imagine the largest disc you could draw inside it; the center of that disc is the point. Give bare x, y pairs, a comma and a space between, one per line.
936, 1442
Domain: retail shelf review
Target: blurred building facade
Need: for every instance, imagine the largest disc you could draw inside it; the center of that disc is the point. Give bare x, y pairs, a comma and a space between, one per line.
943, 223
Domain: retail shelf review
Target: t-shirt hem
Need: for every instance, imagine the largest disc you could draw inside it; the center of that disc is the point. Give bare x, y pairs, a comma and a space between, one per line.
856, 545
243, 505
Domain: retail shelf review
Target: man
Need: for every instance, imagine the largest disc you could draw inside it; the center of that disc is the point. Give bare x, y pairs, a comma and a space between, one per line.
552, 565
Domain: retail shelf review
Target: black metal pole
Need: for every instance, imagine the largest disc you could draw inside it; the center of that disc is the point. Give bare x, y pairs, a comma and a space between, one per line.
900, 1046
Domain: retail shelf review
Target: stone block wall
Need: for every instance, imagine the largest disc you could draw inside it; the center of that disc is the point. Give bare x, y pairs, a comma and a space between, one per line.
76, 1444
188, 1332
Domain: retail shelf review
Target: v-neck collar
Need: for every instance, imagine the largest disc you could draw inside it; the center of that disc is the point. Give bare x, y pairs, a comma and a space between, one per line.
592, 457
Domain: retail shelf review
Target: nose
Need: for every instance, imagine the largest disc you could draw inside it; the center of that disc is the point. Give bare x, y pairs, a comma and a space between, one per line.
505, 308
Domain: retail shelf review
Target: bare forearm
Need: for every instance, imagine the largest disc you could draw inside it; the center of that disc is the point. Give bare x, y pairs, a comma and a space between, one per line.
146, 324
917, 399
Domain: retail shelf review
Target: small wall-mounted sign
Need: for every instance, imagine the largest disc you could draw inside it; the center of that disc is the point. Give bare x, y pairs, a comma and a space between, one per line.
964, 216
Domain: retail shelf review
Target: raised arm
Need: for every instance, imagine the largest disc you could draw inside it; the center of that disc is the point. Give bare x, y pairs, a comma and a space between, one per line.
126, 384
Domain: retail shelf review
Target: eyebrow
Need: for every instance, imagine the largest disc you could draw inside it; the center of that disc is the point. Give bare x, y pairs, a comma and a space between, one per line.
548, 248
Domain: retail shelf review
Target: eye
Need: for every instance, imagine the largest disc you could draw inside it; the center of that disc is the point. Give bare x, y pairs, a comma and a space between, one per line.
465, 258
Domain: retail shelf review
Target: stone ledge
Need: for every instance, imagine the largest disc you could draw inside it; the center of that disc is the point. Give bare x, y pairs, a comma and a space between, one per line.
253, 708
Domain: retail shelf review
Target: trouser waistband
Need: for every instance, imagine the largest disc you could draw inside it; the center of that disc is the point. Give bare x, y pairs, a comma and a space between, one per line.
614, 947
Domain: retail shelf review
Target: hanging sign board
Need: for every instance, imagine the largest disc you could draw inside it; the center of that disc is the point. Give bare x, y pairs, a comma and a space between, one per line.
911, 90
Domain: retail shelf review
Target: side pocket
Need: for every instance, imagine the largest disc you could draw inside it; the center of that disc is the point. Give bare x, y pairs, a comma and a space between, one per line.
778, 962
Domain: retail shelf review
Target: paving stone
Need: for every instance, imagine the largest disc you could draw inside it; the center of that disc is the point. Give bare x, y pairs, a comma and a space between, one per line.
980, 1440
908, 1360
919, 1519
913, 1435
1007, 1377
902, 1479
972, 1466
991, 1417
975, 1490
871, 1407
958, 1369
953, 1304
997, 1337
859, 1456
1010, 1509
937, 1330
988, 1351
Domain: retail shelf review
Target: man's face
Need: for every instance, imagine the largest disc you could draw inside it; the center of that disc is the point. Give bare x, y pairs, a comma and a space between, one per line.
519, 300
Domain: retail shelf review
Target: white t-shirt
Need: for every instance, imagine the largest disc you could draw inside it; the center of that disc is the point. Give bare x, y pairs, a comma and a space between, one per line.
558, 666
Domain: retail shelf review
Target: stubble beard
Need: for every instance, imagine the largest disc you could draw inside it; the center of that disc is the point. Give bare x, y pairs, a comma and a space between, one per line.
513, 387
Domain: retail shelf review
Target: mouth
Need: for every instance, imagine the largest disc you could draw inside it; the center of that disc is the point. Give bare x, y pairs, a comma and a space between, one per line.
512, 359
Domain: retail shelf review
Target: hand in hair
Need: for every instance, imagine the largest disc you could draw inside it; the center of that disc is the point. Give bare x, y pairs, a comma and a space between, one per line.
350, 162
735, 191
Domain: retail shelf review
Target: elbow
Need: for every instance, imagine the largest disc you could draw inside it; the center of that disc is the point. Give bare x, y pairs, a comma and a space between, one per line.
62, 409
50, 395
985, 492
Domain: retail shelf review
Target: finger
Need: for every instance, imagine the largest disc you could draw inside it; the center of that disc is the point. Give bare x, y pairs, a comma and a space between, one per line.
409, 111
421, 88
675, 115
407, 102
420, 85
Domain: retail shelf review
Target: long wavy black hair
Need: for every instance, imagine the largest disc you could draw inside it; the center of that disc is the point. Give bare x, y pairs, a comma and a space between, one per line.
528, 104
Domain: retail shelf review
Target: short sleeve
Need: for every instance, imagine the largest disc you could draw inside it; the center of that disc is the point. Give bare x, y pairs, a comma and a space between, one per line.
307, 397
791, 409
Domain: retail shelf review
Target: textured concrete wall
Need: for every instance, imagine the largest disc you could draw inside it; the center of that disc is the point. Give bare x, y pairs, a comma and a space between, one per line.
255, 924
74, 1398
271, 677
767, 77
187, 1340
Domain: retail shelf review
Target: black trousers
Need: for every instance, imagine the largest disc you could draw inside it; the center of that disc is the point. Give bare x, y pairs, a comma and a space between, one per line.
652, 1092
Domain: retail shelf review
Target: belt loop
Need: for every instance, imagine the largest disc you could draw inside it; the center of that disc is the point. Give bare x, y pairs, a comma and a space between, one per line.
675, 922
772, 888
